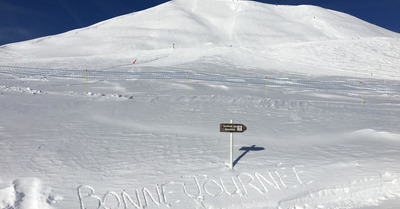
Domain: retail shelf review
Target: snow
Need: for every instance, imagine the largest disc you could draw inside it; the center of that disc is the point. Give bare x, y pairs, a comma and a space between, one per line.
146, 135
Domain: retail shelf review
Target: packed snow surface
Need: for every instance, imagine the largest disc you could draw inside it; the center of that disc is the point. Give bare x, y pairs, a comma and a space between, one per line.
126, 113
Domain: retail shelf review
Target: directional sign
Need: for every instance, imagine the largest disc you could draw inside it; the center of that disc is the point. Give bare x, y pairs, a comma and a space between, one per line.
231, 127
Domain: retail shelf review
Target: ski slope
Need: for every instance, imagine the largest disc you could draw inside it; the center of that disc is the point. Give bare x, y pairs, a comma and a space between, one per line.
83, 127
305, 40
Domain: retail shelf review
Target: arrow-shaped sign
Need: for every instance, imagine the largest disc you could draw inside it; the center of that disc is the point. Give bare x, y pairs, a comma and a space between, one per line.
231, 127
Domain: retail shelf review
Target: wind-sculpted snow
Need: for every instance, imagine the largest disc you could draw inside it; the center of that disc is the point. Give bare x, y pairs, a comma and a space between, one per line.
350, 84
137, 139
356, 192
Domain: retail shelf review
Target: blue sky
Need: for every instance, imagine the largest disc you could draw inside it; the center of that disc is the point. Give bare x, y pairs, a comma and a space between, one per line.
27, 19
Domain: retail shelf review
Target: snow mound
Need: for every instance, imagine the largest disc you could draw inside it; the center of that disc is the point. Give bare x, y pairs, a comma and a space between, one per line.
18, 89
27, 193
7, 197
378, 135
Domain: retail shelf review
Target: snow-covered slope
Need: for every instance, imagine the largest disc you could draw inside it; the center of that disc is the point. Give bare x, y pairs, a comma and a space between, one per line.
81, 126
244, 33
191, 24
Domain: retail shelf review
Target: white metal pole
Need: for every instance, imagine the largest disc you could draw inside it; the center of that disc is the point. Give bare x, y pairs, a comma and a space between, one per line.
231, 151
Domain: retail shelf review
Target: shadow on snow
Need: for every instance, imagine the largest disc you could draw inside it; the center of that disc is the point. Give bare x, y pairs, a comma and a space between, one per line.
246, 150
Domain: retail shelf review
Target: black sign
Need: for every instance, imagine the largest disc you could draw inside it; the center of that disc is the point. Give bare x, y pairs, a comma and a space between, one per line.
231, 127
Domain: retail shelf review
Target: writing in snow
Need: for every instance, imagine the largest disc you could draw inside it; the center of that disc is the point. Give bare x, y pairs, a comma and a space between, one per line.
195, 187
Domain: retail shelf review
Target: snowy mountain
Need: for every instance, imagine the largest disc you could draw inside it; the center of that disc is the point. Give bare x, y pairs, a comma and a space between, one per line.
243, 33
126, 113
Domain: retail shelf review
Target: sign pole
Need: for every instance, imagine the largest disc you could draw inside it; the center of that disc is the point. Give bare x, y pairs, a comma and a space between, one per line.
265, 87
231, 149
362, 97
187, 78
87, 85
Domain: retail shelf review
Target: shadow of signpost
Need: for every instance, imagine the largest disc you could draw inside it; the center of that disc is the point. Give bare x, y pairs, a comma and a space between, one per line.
246, 150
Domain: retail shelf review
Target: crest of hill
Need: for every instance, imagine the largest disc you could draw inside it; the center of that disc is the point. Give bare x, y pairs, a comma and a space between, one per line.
199, 23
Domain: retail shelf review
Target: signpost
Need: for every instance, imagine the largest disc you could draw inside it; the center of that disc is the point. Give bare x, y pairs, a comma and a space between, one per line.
231, 127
